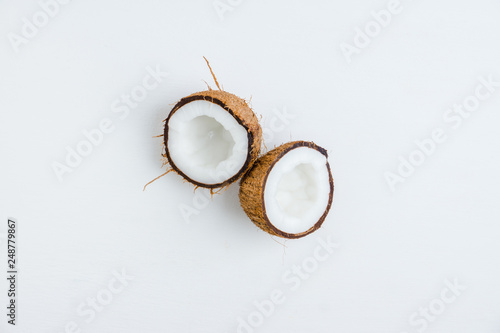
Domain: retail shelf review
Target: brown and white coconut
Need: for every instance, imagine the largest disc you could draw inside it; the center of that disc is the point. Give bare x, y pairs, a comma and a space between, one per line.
212, 138
289, 191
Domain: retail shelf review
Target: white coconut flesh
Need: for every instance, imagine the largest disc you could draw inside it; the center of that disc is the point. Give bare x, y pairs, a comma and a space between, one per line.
206, 142
297, 190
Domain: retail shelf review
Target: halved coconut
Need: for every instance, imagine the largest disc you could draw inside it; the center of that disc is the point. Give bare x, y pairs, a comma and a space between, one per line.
289, 190
212, 138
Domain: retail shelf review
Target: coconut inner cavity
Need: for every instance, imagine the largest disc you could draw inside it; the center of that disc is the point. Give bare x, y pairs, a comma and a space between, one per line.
206, 142
297, 190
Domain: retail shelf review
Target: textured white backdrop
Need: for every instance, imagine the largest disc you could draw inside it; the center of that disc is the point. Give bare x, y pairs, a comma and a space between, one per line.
396, 249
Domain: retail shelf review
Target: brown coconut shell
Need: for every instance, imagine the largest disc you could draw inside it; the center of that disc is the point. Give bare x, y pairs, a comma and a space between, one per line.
253, 185
243, 114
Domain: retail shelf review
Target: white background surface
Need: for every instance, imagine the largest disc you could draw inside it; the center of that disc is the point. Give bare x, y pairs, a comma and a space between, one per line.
396, 249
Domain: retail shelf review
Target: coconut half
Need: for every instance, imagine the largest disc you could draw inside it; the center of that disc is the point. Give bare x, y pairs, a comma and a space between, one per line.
212, 138
289, 190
